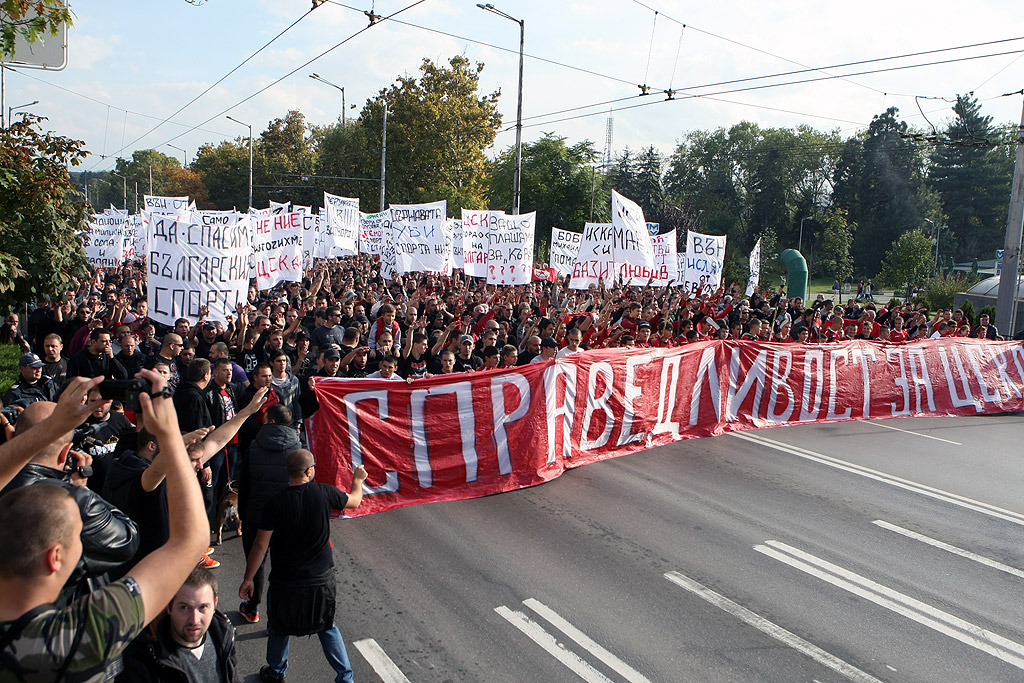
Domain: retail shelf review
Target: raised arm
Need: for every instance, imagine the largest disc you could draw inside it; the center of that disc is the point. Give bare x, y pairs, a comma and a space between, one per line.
161, 573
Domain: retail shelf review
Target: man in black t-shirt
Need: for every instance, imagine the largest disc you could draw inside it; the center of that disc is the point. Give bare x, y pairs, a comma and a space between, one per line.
302, 587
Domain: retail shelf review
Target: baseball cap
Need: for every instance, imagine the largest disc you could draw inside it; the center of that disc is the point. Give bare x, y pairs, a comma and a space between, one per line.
466, 338
549, 342
31, 360
332, 354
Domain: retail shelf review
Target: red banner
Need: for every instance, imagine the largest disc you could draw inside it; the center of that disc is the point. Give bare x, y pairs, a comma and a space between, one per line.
463, 436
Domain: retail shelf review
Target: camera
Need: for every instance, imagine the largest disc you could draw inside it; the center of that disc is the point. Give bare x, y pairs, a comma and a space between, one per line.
127, 391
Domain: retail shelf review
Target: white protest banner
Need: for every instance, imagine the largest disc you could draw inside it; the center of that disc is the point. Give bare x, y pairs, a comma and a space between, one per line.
192, 266
279, 208
277, 248
632, 242
323, 249
302, 209
475, 226
312, 239
342, 227
106, 241
418, 234
457, 249
372, 228
755, 268
171, 205
594, 261
135, 231
510, 249
259, 212
705, 256
565, 248
680, 266
666, 261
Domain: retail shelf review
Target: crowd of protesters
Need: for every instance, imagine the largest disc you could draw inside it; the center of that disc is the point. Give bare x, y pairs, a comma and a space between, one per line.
243, 386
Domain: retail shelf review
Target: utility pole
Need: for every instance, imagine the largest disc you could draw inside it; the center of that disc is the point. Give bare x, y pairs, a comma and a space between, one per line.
383, 154
1006, 304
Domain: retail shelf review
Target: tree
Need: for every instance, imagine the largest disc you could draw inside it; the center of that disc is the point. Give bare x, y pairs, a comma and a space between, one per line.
835, 243
40, 216
284, 158
32, 19
556, 183
439, 128
224, 170
908, 262
879, 182
971, 175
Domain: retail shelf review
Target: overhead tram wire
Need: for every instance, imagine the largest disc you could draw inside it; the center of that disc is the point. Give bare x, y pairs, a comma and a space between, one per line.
501, 49
374, 20
219, 81
107, 104
773, 85
736, 42
687, 94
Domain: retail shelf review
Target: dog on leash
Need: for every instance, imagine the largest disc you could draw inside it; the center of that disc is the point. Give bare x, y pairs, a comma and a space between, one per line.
227, 511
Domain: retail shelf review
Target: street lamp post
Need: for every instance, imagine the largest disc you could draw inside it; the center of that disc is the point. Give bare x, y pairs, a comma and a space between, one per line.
519, 106
124, 189
11, 110
250, 154
383, 153
318, 77
800, 242
183, 152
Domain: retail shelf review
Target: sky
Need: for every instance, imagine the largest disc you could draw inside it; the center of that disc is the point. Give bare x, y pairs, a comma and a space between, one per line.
132, 64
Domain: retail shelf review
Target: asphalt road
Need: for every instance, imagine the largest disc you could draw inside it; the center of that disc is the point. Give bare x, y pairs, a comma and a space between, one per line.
883, 550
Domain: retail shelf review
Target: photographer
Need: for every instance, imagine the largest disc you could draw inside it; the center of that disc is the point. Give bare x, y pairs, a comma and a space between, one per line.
109, 538
84, 640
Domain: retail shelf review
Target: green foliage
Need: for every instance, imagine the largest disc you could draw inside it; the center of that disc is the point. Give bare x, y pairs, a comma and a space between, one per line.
908, 262
972, 181
835, 243
989, 310
32, 19
10, 354
40, 251
224, 170
879, 181
557, 180
941, 290
968, 308
284, 154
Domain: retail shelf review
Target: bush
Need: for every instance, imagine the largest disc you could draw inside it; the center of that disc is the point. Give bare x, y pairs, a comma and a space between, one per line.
10, 354
941, 290
990, 311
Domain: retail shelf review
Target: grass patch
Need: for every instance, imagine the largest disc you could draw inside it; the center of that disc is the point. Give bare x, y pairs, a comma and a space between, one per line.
10, 354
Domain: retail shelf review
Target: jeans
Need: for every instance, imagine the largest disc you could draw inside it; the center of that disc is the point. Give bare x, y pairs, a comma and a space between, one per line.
330, 641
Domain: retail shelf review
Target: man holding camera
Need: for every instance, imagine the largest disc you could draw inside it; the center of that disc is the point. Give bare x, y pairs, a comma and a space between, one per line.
41, 543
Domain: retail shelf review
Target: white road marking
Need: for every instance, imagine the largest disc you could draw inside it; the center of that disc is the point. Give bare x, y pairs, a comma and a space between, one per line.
379, 660
771, 629
906, 484
980, 559
877, 423
932, 617
537, 634
613, 662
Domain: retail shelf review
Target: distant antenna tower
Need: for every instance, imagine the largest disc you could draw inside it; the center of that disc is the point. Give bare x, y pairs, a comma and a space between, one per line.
608, 139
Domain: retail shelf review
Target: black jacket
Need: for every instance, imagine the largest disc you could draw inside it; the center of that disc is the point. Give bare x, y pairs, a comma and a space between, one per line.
85, 364
263, 472
109, 537
193, 407
216, 401
156, 658
43, 390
